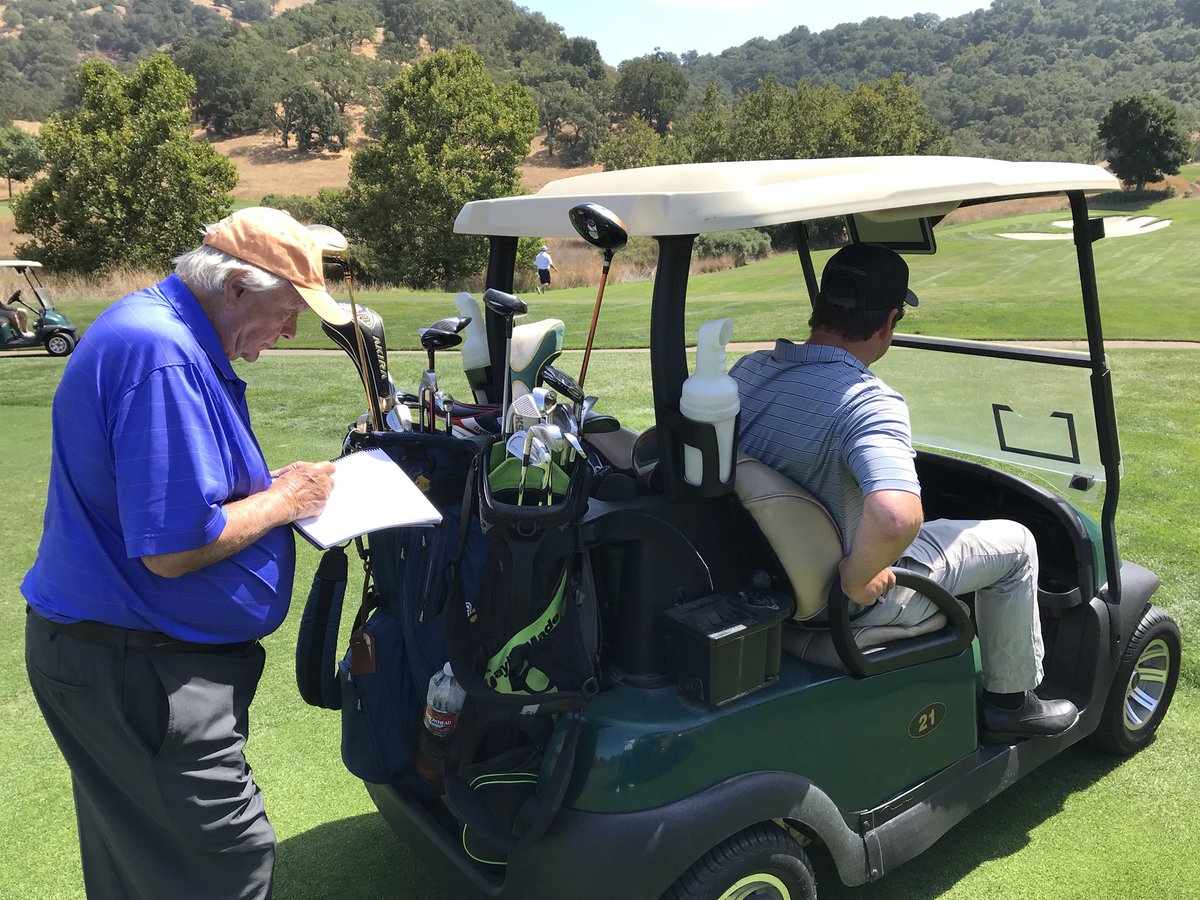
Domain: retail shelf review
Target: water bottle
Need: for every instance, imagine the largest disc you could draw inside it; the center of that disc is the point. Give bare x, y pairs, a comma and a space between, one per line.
442, 705
711, 396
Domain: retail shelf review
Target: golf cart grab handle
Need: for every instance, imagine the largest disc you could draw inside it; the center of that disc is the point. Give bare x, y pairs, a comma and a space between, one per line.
949, 640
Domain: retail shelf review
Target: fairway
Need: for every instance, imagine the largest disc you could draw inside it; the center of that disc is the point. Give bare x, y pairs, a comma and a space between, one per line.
1080, 827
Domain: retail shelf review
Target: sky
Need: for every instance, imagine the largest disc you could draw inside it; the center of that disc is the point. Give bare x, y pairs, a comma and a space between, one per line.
623, 29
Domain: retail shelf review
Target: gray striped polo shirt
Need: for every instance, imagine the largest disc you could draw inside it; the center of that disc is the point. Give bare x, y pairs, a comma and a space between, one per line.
818, 415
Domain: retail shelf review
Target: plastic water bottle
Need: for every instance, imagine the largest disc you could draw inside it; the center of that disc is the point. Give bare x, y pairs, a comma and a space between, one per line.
711, 396
442, 705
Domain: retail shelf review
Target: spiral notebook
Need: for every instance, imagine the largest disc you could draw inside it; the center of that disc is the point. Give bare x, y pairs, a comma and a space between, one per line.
370, 493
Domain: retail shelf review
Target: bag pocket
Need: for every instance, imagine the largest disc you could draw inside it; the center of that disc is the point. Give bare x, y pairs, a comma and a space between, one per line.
381, 709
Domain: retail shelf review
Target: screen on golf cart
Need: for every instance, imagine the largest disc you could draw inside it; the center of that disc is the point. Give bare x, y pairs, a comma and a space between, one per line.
1035, 416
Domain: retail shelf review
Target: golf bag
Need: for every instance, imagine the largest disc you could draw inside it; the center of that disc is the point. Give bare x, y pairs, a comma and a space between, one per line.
397, 641
526, 652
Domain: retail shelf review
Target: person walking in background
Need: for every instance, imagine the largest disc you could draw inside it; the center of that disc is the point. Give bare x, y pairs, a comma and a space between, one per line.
543, 263
166, 555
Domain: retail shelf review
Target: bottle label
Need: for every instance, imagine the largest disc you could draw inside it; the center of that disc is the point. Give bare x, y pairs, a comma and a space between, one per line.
440, 721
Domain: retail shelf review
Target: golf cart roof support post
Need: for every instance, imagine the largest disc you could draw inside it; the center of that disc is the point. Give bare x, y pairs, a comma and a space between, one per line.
1102, 396
668, 344
806, 262
502, 260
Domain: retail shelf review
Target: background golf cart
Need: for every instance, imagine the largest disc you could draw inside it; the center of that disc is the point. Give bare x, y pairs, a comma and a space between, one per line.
717, 801
49, 327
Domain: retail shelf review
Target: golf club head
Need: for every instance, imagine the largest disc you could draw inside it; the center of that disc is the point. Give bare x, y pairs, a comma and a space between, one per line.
332, 242
565, 384
375, 366
526, 407
600, 424
599, 226
507, 306
453, 324
546, 399
434, 338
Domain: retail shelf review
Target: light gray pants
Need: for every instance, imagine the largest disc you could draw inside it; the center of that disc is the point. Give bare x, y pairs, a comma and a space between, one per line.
166, 804
997, 560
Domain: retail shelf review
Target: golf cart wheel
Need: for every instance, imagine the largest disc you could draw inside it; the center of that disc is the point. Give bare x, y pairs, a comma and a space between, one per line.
761, 863
60, 344
1143, 686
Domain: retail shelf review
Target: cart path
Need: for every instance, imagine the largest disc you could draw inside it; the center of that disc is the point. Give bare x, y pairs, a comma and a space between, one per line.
1080, 345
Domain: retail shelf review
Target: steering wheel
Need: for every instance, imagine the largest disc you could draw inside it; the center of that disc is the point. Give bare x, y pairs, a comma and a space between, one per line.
950, 640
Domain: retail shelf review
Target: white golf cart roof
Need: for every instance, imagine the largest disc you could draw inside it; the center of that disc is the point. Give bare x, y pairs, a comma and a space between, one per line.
705, 197
19, 264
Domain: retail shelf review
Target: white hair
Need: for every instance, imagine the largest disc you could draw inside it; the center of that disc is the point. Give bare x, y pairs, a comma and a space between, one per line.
208, 268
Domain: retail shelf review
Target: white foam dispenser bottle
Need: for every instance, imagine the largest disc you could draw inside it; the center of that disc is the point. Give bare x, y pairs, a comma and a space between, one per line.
711, 396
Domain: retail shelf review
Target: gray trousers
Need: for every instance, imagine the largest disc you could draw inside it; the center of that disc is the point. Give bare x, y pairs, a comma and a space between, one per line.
997, 560
166, 803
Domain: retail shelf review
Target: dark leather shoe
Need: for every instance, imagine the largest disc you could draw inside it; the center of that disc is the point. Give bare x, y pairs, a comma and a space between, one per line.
1035, 718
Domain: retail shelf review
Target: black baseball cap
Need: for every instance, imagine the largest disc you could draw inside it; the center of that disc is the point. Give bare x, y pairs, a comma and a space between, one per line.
866, 276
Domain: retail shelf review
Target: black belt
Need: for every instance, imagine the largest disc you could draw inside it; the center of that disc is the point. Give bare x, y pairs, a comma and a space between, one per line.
132, 639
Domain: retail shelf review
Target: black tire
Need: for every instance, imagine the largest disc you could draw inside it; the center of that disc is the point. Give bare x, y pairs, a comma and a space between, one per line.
60, 344
763, 862
1143, 686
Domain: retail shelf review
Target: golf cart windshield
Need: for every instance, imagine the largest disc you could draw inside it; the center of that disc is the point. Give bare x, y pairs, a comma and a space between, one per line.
1034, 413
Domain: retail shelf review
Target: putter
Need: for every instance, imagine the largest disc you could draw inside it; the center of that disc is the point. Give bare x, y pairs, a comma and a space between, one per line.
601, 228
507, 307
432, 339
370, 357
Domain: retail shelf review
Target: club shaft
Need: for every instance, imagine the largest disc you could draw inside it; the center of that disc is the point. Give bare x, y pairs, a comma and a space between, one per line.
587, 350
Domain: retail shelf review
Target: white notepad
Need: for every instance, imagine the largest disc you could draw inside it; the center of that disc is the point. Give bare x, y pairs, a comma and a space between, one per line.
370, 492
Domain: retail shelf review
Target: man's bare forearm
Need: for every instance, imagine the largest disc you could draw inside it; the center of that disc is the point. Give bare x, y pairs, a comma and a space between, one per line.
300, 490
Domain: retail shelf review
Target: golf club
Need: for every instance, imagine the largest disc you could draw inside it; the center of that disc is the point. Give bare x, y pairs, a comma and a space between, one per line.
601, 228
562, 382
432, 339
443, 406
507, 307
372, 369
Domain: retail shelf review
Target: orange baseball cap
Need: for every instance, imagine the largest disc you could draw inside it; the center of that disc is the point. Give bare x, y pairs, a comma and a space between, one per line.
274, 241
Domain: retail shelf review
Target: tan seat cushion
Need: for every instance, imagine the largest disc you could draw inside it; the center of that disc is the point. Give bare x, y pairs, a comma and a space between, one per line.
798, 528
809, 545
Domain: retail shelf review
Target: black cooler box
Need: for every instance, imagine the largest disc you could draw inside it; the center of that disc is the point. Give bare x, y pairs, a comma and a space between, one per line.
726, 645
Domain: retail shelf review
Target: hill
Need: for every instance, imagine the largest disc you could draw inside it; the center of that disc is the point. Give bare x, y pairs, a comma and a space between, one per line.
1019, 79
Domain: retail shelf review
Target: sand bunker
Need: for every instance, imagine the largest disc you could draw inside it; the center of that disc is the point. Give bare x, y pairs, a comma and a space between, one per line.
1114, 226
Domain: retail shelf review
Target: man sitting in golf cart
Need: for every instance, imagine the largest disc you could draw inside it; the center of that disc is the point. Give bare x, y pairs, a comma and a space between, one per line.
815, 412
17, 318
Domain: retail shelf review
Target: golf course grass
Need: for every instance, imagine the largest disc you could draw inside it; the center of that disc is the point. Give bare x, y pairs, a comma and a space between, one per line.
1083, 826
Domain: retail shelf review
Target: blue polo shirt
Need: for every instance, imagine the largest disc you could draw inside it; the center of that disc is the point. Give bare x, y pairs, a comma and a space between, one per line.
151, 437
819, 416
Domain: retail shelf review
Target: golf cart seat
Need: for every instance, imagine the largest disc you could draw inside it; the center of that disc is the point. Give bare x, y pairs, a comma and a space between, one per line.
808, 544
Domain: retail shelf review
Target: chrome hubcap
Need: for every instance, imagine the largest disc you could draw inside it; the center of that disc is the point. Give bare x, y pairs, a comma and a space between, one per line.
1146, 685
758, 887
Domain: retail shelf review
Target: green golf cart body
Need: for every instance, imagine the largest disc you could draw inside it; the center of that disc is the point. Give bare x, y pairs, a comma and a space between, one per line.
50, 328
684, 788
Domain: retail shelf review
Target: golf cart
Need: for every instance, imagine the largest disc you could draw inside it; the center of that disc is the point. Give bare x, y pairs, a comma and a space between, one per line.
707, 760
51, 328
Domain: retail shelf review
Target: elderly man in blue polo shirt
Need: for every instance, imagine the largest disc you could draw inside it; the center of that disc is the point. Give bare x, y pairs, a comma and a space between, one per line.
165, 557
816, 413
